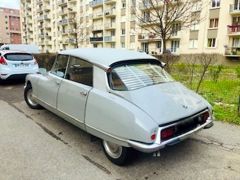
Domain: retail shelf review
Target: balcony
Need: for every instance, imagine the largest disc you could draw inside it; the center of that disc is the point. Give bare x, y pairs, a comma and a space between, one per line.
72, 20
110, 12
148, 22
63, 12
46, 7
97, 28
72, 10
62, 2
43, 17
109, 39
234, 9
72, 41
110, 1
148, 6
110, 26
39, 2
97, 15
96, 3
233, 30
232, 52
63, 22
148, 37
175, 35
96, 39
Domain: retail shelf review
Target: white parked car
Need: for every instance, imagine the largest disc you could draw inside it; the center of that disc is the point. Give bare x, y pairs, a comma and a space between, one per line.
123, 97
14, 64
29, 48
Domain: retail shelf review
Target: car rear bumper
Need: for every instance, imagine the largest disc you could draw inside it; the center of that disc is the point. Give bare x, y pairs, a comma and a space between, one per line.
5, 75
150, 148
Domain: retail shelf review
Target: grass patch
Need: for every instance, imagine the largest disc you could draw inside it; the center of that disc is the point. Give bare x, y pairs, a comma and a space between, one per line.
223, 95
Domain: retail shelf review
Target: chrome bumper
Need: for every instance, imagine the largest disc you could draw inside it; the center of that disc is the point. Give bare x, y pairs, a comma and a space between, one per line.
150, 148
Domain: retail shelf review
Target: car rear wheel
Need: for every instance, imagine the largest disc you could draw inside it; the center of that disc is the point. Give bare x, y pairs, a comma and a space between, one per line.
29, 98
117, 154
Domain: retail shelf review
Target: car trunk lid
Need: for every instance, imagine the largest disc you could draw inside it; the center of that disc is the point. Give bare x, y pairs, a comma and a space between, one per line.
166, 102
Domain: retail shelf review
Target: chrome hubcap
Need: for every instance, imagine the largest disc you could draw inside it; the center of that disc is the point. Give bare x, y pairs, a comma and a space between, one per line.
113, 150
30, 98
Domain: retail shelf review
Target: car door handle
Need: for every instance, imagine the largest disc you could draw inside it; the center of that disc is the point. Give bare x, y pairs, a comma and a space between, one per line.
83, 93
58, 82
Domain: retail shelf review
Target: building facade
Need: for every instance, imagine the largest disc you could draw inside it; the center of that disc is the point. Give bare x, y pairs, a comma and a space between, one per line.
10, 29
62, 24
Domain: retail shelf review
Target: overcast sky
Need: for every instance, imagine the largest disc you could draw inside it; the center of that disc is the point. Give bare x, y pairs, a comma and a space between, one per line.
10, 4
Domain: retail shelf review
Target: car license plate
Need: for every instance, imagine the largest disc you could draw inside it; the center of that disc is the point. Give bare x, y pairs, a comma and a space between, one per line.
21, 65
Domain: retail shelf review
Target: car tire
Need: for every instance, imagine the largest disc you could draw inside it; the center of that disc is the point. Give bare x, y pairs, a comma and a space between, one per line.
28, 98
117, 154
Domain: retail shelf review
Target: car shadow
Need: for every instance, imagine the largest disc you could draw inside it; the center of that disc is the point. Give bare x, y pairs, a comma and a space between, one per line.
12, 82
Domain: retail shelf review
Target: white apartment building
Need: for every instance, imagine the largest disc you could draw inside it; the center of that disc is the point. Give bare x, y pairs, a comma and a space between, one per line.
62, 24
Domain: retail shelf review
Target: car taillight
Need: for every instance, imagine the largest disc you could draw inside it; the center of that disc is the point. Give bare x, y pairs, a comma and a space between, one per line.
167, 133
204, 117
2, 61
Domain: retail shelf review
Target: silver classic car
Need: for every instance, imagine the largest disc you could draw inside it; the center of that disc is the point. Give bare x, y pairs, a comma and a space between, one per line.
123, 97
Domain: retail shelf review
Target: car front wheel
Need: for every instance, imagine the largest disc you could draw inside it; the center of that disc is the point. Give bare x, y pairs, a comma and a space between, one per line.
28, 96
117, 154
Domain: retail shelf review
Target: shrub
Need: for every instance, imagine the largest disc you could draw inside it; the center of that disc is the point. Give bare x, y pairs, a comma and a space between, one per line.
238, 71
215, 72
45, 60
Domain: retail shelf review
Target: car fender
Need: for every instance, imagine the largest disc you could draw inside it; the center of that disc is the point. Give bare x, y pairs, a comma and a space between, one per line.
33, 79
113, 118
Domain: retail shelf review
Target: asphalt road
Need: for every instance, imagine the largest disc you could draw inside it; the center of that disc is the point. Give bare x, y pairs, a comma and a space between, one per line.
36, 144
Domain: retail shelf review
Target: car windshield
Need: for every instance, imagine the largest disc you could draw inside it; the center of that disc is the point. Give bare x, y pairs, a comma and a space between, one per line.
18, 57
134, 76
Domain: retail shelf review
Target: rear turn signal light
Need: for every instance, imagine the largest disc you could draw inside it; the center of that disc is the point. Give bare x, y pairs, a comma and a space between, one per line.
2, 61
153, 137
167, 133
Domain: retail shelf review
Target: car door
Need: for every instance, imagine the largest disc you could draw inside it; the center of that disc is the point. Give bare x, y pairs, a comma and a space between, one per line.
74, 90
48, 85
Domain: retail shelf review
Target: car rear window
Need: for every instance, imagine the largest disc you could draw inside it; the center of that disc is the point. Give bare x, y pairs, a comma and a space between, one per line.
18, 57
135, 76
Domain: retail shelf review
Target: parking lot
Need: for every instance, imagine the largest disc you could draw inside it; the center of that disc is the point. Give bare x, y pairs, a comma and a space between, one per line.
36, 144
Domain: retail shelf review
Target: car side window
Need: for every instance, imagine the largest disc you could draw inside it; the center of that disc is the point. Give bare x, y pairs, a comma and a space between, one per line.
60, 66
80, 71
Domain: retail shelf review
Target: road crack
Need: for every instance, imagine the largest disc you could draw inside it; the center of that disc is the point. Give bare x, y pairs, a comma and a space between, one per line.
99, 166
208, 141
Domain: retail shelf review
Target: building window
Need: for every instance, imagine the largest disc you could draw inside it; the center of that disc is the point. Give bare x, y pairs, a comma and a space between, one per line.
212, 42
145, 47
175, 45
175, 28
159, 45
195, 26
213, 23
215, 3
236, 20
193, 43
236, 42
123, 45
146, 17
123, 31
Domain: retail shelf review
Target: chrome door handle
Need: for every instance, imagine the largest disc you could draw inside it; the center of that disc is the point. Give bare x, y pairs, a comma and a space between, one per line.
58, 82
84, 93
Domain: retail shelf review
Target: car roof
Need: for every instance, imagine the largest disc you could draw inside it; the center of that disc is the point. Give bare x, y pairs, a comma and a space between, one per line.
11, 51
105, 57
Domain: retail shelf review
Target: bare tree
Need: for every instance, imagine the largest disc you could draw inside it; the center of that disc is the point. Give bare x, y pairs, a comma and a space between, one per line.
191, 62
165, 18
205, 61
